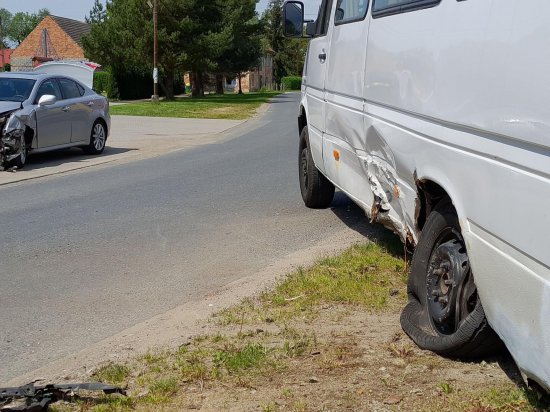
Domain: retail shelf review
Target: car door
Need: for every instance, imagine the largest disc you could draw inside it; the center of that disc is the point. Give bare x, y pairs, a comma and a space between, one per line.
52, 122
80, 109
344, 123
314, 81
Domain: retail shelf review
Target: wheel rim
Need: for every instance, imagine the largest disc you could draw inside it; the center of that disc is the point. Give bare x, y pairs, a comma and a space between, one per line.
451, 291
98, 136
23, 154
304, 167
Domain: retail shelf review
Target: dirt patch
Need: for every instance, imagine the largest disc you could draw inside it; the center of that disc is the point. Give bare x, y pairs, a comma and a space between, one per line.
313, 344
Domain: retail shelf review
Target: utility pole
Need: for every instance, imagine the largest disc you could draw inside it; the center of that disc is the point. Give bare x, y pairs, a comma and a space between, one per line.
155, 97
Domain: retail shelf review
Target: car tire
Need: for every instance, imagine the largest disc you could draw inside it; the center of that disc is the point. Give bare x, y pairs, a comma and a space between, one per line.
98, 138
317, 191
444, 313
20, 161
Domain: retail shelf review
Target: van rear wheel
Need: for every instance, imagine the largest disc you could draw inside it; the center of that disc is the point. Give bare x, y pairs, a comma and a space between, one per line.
317, 191
444, 313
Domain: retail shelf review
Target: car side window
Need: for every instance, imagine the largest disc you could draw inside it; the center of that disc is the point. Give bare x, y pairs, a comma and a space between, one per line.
382, 8
69, 89
348, 11
50, 87
81, 89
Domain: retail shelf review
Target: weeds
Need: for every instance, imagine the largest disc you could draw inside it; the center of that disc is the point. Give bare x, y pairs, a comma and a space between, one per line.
113, 373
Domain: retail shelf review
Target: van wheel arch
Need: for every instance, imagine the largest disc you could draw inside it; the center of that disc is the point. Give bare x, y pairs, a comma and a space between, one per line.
430, 194
302, 119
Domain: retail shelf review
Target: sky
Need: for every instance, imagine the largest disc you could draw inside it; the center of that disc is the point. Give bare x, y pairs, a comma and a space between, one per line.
78, 9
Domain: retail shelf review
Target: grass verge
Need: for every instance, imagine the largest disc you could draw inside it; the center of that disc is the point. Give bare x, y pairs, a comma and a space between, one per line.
228, 106
325, 338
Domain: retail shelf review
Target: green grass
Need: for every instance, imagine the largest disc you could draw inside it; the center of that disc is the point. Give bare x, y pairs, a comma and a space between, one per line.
113, 373
235, 359
365, 275
228, 106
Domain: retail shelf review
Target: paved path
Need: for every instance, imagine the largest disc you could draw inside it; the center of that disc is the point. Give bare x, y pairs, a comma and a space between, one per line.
87, 255
132, 138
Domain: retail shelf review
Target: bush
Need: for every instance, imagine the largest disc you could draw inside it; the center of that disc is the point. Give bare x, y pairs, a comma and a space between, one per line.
292, 82
131, 83
134, 83
101, 81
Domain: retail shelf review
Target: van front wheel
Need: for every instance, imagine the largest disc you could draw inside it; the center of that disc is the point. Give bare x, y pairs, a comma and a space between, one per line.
444, 313
317, 191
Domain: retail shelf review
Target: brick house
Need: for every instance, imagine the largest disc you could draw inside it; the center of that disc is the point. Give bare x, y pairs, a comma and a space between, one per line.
255, 79
5, 55
55, 38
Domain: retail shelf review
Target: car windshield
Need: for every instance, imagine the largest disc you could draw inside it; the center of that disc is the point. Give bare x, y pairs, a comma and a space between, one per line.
15, 90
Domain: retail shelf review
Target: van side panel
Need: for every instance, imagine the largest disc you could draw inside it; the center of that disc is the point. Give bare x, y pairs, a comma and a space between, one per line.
344, 109
458, 94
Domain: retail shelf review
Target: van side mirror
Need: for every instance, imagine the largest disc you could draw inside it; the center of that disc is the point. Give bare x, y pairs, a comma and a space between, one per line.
311, 28
293, 18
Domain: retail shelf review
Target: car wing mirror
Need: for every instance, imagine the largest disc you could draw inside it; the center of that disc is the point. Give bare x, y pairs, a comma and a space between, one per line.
47, 100
293, 19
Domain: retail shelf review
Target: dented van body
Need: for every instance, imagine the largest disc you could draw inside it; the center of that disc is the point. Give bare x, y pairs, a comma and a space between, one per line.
412, 104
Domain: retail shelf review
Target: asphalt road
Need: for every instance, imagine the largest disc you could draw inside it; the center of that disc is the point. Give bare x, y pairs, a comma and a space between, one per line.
87, 255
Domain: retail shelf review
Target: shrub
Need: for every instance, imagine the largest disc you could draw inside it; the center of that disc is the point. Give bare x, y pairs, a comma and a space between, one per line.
101, 81
292, 82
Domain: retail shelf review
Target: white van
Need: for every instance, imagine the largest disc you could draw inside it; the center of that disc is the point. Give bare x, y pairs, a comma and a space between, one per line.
434, 117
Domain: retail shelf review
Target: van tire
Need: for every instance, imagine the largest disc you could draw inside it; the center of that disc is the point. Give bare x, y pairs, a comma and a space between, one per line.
317, 191
427, 319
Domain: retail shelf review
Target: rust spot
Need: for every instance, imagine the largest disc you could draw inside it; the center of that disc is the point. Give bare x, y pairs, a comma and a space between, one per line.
375, 210
336, 155
396, 192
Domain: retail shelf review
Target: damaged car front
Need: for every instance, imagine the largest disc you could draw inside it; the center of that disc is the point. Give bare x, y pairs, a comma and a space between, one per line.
13, 146
16, 122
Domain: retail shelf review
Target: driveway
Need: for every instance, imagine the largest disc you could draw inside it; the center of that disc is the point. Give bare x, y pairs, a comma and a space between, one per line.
131, 138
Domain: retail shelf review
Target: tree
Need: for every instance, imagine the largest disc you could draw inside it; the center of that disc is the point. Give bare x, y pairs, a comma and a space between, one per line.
242, 48
21, 24
188, 35
289, 53
5, 20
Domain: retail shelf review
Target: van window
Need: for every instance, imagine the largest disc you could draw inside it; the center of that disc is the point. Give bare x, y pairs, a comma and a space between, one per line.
324, 18
350, 10
386, 7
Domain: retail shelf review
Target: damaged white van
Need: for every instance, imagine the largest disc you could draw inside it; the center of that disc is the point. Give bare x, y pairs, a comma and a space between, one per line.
434, 117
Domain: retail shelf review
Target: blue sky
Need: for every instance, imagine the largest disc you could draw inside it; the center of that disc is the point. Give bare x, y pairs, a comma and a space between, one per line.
78, 9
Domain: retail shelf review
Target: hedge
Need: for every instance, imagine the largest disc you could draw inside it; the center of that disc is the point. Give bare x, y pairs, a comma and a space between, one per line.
292, 82
130, 84
101, 80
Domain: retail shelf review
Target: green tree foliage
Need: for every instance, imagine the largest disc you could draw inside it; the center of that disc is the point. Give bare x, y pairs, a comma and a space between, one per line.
289, 53
5, 19
194, 35
16, 27
242, 47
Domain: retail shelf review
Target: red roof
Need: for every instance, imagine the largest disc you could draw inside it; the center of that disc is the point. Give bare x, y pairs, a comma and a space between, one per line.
5, 55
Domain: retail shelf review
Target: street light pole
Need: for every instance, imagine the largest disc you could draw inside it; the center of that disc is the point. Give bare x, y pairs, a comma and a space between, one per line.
155, 97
